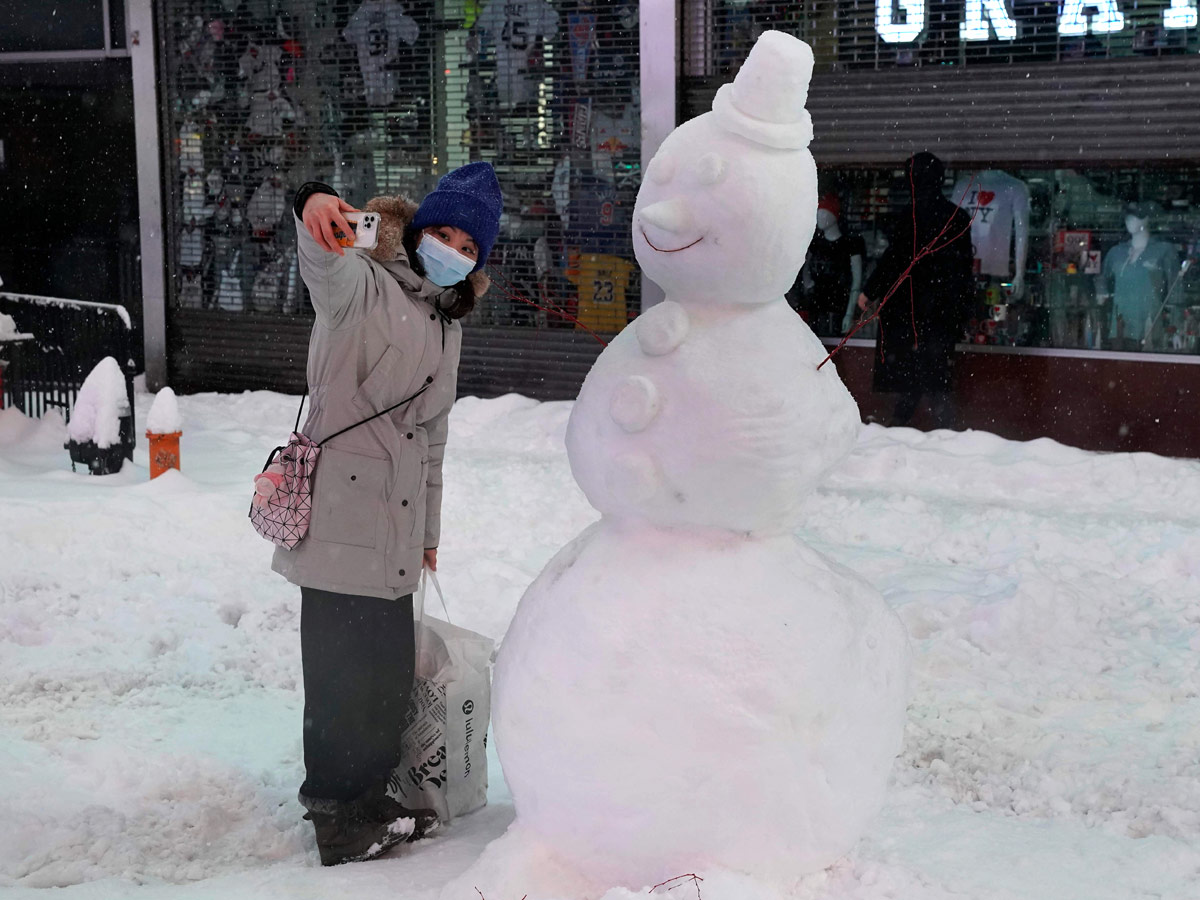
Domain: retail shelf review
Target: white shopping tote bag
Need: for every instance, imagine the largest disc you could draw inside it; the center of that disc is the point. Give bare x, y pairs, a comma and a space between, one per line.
444, 745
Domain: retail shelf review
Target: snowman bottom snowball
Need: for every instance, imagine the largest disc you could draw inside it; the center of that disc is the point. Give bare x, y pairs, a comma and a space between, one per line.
667, 701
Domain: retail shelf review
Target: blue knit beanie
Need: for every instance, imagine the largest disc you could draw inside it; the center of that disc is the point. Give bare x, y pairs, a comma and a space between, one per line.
467, 198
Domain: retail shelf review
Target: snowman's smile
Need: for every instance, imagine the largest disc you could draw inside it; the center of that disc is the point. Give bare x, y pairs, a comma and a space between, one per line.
676, 250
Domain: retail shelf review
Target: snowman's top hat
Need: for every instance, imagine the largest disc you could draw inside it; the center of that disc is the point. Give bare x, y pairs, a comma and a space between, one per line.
765, 101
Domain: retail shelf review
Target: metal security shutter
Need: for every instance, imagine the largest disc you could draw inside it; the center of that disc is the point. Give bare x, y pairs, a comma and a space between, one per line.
1111, 112
383, 97
545, 364
1128, 96
225, 351
215, 350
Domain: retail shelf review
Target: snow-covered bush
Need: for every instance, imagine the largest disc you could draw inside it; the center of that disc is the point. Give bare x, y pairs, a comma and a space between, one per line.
101, 403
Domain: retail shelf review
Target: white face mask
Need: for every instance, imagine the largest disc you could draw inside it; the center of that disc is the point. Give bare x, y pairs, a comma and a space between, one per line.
444, 266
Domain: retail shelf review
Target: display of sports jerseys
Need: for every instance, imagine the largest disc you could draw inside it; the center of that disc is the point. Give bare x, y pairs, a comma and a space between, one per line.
224, 229
602, 279
995, 201
191, 290
269, 281
594, 220
191, 148
267, 206
515, 26
377, 29
581, 29
259, 65
378, 96
613, 135
515, 260
191, 245
560, 188
229, 288
195, 197
471, 9
269, 114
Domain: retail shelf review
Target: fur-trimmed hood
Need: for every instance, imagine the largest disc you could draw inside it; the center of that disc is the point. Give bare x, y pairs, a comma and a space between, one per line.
395, 215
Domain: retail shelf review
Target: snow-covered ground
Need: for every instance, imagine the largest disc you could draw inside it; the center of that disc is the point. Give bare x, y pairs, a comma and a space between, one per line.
149, 661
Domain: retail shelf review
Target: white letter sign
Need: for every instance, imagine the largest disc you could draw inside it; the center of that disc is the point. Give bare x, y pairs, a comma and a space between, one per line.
976, 16
1105, 20
900, 33
1182, 14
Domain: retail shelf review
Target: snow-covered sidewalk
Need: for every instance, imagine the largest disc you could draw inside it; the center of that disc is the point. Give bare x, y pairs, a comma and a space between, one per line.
149, 661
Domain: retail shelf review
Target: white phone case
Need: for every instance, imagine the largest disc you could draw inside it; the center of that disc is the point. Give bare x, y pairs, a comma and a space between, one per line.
366, 230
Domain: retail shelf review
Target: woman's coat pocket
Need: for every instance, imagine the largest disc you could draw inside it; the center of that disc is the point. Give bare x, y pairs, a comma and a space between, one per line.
349, 494
379, 389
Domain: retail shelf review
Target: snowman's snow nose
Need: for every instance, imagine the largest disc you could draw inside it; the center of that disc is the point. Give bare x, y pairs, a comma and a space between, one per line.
668, 215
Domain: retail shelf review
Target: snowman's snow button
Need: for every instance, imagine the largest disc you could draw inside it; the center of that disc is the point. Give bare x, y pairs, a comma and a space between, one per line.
661, 328
634, 403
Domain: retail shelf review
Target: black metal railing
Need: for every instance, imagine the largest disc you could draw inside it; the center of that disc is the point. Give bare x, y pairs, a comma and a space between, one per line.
69, 338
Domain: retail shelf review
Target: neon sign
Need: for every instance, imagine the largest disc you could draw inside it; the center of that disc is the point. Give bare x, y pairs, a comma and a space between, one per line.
1106, 19
978, 14
1182, 14
900, 32
903, 21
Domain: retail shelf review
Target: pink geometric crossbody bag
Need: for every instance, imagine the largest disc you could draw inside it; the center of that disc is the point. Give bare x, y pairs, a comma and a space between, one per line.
282, 505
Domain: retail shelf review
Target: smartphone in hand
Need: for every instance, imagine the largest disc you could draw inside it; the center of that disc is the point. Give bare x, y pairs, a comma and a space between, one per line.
365, 226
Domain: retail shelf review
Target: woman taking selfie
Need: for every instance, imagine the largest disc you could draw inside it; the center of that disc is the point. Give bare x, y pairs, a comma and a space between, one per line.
386, 335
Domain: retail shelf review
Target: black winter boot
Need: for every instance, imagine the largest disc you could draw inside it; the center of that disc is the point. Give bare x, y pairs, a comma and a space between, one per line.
384, 808
349, 832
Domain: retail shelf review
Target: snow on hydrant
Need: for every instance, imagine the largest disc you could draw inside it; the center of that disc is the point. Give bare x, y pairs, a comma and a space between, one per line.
688, 687
164, 426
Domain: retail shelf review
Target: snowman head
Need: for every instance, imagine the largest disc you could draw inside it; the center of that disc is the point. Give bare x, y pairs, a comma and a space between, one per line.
728, 205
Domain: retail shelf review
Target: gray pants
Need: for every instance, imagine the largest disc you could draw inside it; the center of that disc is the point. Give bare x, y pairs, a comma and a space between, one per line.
359, 658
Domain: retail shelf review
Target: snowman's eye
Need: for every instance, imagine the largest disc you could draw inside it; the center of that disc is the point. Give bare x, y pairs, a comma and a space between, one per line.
711, 168
662, 168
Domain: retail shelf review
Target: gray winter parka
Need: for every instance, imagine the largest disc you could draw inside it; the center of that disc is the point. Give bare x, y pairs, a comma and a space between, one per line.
377, 492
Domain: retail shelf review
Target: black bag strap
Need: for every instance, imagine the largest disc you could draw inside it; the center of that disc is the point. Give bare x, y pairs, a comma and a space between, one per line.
383, 412
296, 428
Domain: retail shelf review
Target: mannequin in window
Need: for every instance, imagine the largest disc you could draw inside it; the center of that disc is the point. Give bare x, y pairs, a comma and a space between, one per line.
1136, 275
832, 275
998, 205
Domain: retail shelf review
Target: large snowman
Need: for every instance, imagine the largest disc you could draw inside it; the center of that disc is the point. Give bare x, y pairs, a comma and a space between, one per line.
688, 687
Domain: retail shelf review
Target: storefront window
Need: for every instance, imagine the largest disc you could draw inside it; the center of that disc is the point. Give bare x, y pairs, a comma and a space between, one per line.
1109, 254
1068, 130
382, 97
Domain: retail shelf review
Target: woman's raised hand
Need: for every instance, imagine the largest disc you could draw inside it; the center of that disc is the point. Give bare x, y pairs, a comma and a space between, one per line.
322, 214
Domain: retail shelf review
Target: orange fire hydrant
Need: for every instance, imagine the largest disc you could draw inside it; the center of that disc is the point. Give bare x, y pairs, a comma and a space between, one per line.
164, 452
163, 428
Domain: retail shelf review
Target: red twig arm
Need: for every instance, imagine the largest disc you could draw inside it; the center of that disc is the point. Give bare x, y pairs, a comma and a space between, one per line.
678, 881
932, 247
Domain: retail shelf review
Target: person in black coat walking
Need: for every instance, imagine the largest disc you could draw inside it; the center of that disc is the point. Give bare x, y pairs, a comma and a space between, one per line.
926, 314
